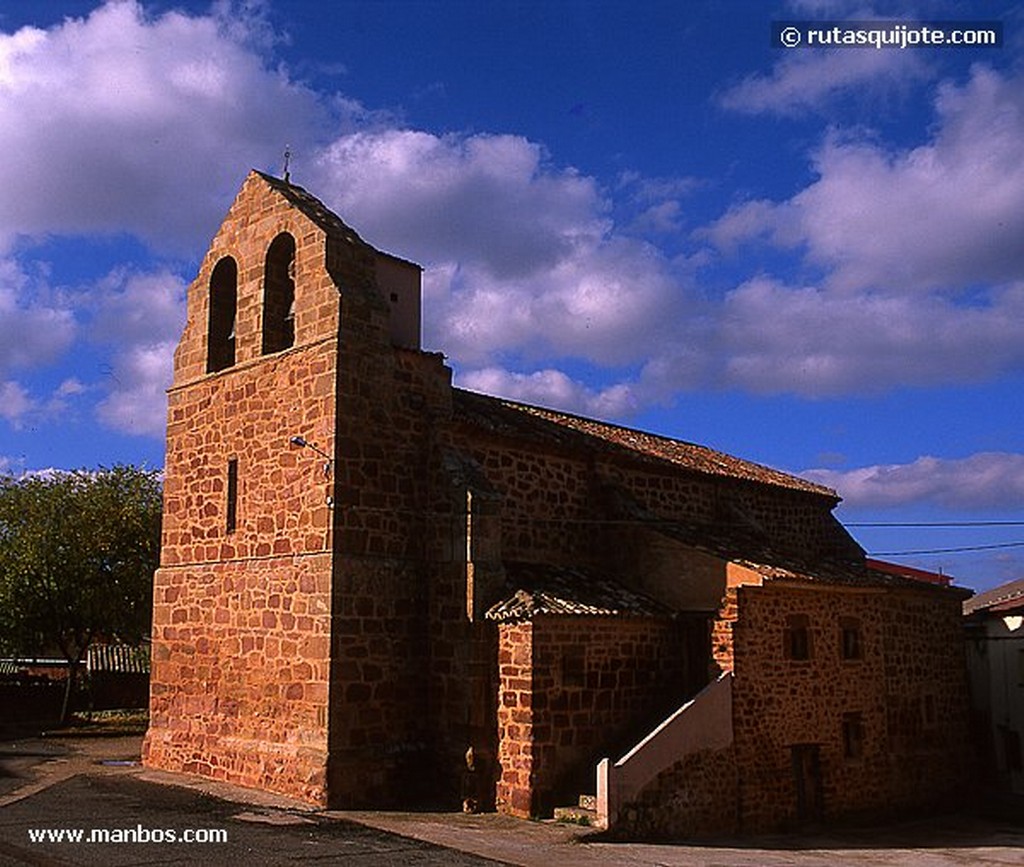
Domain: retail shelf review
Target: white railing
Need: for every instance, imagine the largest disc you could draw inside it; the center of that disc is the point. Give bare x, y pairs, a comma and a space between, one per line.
703, 723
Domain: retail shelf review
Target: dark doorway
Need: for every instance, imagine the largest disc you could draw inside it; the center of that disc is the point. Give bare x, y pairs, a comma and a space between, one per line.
807, 781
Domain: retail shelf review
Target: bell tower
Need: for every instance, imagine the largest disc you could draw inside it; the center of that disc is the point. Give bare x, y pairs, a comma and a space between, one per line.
290, 318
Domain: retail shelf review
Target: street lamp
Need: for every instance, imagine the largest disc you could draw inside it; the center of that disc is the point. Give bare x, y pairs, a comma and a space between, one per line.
303, 443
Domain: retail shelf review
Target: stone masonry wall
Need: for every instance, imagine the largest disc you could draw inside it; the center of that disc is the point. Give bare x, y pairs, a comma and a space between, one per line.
242, 616
387, 547
240, 674
242, 601
575, 689
889, 726
551, 496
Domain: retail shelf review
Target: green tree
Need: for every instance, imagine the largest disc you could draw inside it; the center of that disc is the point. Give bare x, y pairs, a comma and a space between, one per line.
77, 555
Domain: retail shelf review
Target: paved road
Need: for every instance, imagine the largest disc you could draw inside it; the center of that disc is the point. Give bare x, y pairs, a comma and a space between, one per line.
97, 784
50, 788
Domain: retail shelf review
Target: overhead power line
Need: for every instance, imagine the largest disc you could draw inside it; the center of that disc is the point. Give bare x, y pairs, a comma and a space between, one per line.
939, 524
948, 550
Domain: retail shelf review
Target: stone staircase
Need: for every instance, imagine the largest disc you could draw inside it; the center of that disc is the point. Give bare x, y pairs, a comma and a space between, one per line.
584, 812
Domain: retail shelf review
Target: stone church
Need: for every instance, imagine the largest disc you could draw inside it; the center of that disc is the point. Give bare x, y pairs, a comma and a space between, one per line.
377, 589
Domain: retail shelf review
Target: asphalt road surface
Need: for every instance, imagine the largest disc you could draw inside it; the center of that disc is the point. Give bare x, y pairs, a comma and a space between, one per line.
86, 801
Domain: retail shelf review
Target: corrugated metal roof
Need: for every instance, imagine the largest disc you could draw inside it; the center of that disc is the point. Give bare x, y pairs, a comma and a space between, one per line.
543, 589
519, 420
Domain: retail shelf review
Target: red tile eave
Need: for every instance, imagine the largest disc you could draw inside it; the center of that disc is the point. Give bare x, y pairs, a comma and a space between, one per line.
644, 445
1008, 606
909, 572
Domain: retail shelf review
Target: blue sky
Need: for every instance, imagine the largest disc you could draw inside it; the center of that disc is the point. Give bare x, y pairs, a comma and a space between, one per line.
642, 212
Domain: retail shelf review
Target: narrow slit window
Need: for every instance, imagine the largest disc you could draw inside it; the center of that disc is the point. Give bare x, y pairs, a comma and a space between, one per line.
231, 512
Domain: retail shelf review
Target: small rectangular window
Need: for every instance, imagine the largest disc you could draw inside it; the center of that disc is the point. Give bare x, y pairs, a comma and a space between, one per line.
850, 638
231, 521
853, 736
797, 637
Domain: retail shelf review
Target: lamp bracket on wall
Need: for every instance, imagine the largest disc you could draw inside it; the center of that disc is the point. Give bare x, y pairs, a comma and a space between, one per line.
303, 443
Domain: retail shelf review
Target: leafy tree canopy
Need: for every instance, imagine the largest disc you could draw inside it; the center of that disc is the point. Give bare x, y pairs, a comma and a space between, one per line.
77, 555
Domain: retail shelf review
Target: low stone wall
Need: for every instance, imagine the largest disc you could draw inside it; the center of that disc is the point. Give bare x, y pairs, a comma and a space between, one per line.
694, 797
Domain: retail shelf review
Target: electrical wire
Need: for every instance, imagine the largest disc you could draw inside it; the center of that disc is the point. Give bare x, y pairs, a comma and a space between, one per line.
959, 550
940, 524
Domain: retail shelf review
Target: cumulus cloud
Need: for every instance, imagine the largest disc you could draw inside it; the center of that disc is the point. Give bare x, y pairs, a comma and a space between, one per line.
980, 481
130, 307
527, 273
137, 317
521, 256
487, 198
118, 122
812, 342
15, 402
34, 328
553, 388
136, 402
918, 255
946, 214
808, 80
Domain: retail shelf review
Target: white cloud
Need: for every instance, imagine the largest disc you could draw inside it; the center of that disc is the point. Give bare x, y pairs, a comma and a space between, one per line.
490, 199
806, 80
521, 256
129, 307
946, 214
33, 329
137, 403
138, 318
525, 267
119, 122
552, 388
815, 342
918, 251
15, 402
980, 481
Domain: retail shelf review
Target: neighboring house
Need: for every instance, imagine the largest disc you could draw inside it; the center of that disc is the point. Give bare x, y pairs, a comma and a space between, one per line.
376, 587
995, 653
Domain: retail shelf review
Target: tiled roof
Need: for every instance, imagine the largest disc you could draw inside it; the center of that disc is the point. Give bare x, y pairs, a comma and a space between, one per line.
320, 214
1005, 597
850, 574
121, 658
734, 537
312, 207
519, 420
541, 589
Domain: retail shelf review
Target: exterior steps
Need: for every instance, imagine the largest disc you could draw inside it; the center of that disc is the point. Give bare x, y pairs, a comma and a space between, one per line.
582, 813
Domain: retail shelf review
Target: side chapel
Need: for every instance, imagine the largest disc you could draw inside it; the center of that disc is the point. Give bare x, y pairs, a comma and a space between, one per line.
378, 589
